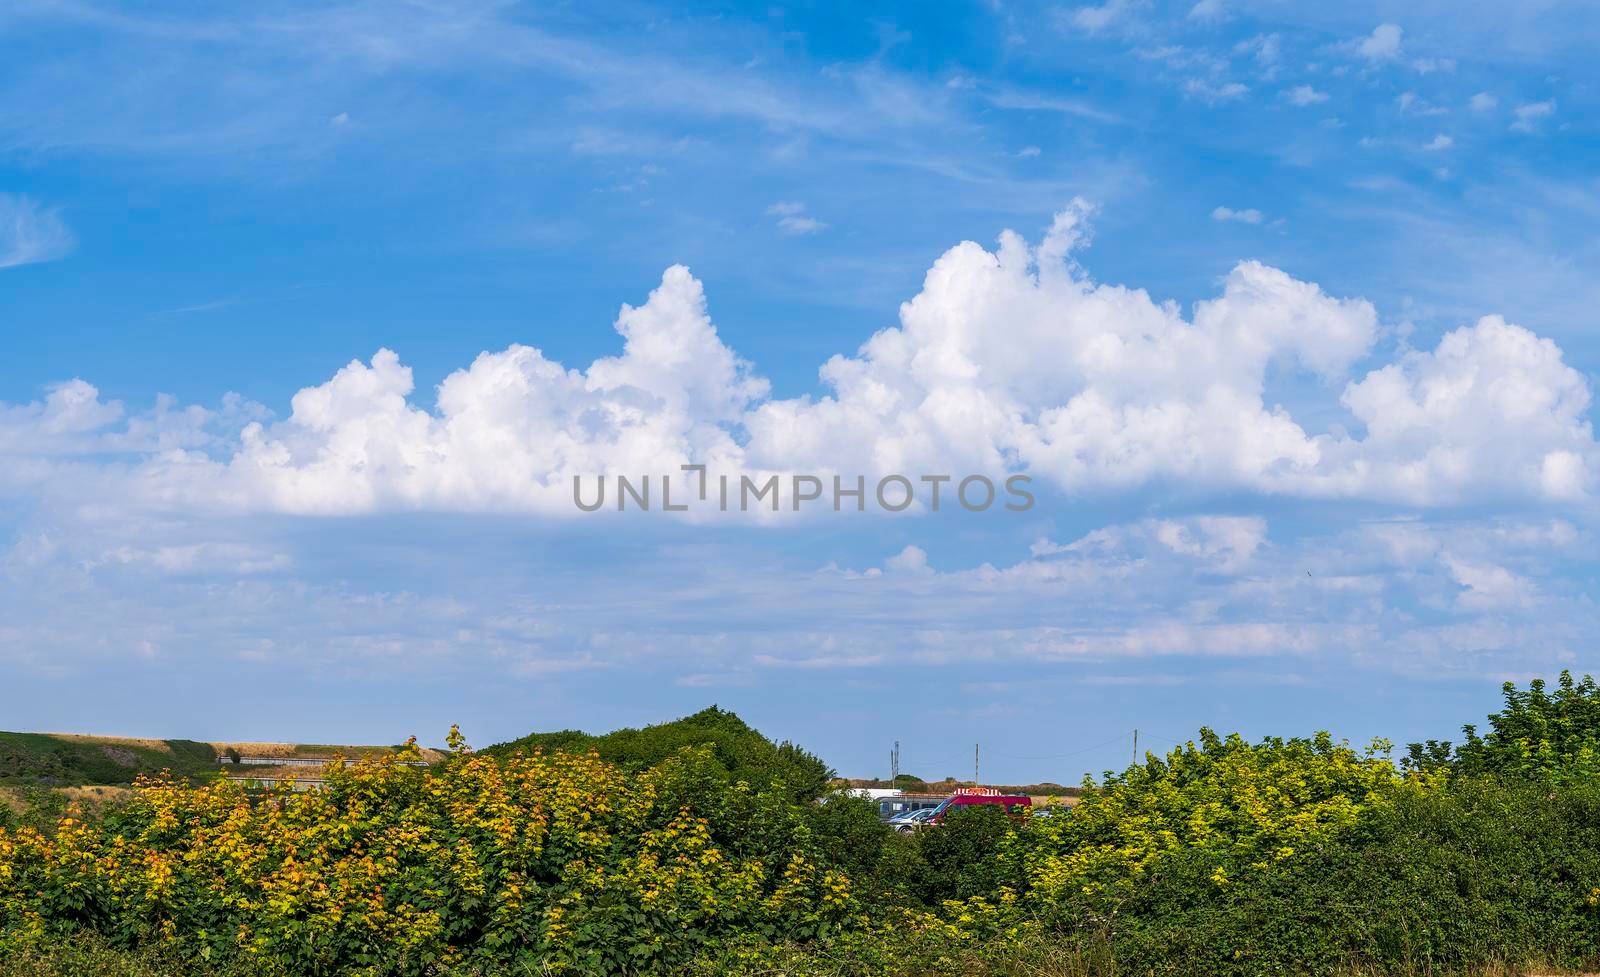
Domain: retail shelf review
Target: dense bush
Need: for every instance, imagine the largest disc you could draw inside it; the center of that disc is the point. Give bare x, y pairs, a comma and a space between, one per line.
561, 861
1233, 806
962, 859
743, 753
1287, 856
1479, 875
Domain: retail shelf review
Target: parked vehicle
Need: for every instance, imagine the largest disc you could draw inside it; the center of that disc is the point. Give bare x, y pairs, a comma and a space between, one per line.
898, 803
911, 820
973, 797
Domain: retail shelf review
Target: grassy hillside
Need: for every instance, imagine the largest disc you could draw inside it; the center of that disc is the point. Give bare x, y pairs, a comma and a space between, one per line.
742, 751
52, 759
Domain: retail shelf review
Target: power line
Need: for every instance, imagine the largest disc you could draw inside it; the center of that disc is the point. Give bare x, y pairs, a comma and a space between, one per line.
940, 763
1134, 734
1168, 739
1063, 756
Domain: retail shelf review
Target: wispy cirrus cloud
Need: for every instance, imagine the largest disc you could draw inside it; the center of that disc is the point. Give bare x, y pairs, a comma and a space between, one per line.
1529, 115
31, 233
1304, 95
793, 219
1248, 215
1394, 595
1100, 18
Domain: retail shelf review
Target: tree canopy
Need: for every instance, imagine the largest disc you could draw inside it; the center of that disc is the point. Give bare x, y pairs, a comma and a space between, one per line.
1536, 734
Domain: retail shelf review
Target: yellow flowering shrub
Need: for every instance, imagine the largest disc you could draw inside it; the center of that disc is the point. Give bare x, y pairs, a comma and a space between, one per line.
561, 861
1242, 805
1222, 857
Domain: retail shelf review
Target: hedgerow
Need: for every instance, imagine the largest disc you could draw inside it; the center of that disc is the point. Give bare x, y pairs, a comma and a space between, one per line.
1285, 856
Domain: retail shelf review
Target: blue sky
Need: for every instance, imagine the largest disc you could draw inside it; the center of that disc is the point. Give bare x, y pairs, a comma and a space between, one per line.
1294, 331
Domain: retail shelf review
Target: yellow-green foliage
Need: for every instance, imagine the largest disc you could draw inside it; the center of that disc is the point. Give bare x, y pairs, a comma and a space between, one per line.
1223, 857
559, 859
568, 862
1242, 805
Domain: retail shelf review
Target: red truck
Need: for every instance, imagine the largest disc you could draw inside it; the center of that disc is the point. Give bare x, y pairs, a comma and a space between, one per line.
1013, 803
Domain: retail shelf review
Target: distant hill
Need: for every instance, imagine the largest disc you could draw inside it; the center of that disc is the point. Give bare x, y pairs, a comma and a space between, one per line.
62, 760
742, 751
71, 760
67, 759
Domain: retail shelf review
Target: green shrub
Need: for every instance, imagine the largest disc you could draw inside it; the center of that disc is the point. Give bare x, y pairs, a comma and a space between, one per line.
963, 855
1480, 876
1234, 806
850, 836
1536, 734
741, 751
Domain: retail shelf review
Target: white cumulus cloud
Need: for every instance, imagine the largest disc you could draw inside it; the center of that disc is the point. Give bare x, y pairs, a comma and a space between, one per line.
1383, 44
511, 428
1011, 360
1493, 404
1304, 95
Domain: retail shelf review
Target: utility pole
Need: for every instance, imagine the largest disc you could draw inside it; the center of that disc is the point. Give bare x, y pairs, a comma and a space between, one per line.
976, 780
1136, 746
894, 761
